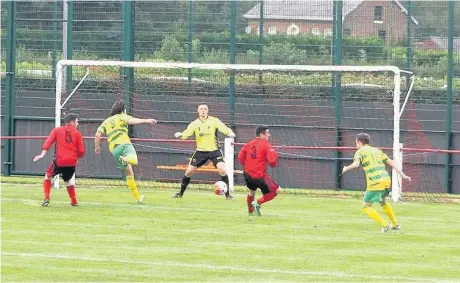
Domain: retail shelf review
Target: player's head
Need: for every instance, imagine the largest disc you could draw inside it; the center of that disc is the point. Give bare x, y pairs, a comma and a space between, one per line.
203, 111
71, 119
362, 139
263, 132
118, 107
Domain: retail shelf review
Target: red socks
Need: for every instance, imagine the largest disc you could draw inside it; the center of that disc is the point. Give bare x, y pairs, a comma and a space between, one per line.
267, 197
47, 188
70, 191
72, 195
249, 200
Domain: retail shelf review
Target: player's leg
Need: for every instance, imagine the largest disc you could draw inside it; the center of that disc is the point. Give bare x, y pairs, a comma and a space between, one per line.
252, 187
131, 182
186, 180
224, 177
197, 160
371, 197
217, 159
129, 155
121, 154
269, 188
390, 212
68, 175
49, 174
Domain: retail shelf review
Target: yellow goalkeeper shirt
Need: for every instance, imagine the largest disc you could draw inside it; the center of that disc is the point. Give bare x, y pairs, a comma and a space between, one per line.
116, 129
205, 132
373, 162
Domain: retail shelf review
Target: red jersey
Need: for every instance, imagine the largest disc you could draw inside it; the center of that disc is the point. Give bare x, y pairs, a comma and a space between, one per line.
69, 145
255, 155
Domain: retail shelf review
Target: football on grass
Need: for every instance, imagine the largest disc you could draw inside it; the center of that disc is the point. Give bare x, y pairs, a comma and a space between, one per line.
220, 188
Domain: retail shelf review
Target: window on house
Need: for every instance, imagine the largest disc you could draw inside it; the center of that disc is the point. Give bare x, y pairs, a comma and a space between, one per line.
382, 34
272, 30
378, 15
347, 32
327, 32
316, 31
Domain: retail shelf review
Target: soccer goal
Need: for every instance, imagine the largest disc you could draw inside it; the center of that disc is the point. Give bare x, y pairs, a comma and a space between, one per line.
313, 123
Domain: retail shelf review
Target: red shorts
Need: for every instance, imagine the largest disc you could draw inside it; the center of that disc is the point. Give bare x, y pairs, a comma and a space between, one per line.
66, 171
265, 184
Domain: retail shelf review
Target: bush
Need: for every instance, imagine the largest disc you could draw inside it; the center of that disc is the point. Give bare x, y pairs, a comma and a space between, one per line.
171, 49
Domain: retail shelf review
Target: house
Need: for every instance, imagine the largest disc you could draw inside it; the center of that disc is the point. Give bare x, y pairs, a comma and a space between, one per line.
437, 43
385, 18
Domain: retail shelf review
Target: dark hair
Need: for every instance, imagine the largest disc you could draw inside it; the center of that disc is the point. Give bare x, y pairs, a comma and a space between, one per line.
118, 107
261, 130
69, 117
363, 138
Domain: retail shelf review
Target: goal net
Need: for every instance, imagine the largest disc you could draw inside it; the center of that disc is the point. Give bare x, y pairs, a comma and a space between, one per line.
314, 113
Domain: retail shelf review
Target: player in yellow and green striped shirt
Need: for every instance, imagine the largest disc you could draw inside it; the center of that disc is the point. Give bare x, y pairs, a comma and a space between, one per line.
116, 129
378, 181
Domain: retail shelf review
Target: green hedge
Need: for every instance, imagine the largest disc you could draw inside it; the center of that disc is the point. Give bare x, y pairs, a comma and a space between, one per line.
148, 42
214, 48
146, 86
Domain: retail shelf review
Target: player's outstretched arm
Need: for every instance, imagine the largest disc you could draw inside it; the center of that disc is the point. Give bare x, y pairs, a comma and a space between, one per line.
97, 142
352, 166
272, 157
224, 129
242, 155
137, 121
395, 166
80, 146
40, 156
46, 145
187, 133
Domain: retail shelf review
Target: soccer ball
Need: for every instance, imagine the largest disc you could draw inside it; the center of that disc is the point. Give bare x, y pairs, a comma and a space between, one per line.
220, 188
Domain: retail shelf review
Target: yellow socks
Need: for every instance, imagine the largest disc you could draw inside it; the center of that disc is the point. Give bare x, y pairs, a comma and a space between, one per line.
390, 212
132, 186
372, 213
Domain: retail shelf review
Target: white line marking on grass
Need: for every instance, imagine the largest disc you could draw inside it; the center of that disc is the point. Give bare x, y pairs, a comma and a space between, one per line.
108, 204
213, 267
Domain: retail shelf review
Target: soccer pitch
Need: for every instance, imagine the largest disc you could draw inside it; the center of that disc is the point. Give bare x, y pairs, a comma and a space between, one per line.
203, 237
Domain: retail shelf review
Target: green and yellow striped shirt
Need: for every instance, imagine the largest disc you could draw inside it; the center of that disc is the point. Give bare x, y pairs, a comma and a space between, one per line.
116, 129
373, 161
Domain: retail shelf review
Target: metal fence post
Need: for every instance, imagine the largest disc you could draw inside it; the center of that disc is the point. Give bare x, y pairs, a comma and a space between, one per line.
68, 40
450, 66
190, 37
54, 43
261, 39
231, 83
128, 54
8, 122
337, 87
409, 36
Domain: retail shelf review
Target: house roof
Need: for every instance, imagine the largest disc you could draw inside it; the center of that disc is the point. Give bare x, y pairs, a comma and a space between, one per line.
313, 10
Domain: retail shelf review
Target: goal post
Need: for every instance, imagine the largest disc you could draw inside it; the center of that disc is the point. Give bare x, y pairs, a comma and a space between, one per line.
395, 72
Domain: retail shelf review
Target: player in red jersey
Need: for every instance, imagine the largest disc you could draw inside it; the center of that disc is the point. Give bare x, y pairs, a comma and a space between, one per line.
68, 149
254, 157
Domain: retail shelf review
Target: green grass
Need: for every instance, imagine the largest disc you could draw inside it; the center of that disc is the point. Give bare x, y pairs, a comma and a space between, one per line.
203, 237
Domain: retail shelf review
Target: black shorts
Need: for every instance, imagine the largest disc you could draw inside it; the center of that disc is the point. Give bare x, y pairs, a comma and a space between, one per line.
66, 171
265, 184
200, 158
